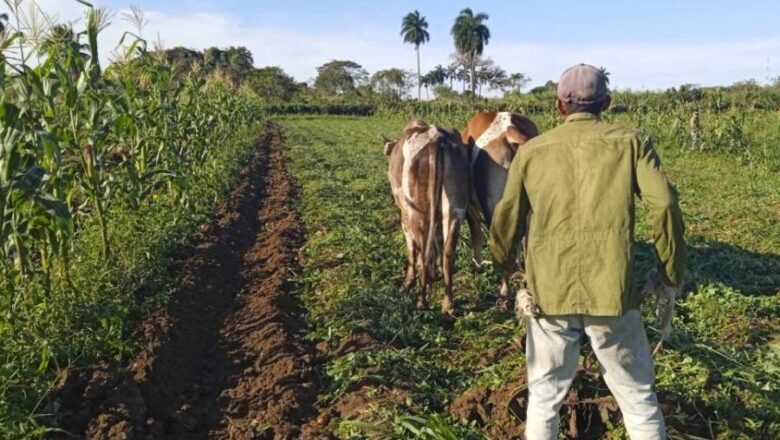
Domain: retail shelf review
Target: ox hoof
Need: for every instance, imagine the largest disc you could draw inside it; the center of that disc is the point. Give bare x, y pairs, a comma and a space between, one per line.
421, 304
408, 283
447, 319
447, 306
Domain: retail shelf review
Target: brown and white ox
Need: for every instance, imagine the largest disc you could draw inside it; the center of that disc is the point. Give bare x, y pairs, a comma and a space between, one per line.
429, 177
493, 140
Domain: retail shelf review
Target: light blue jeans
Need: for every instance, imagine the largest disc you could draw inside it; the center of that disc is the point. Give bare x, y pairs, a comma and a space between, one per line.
620, 344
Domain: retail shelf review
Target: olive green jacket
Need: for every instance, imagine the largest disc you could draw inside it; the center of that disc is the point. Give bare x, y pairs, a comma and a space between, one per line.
571, 191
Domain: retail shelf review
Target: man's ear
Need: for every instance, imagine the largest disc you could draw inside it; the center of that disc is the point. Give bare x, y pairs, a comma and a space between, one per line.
559, 105
607, 103
515, 137
388, 144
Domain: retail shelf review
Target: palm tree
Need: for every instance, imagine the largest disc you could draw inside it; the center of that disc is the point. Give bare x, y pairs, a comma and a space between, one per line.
414, 30
605, 72
435, 77
463, 76
517, 81
452, 72
491, 75
471, 36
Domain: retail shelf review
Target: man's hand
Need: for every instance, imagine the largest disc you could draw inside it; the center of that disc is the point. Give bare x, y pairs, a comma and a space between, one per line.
665, 300
525, 305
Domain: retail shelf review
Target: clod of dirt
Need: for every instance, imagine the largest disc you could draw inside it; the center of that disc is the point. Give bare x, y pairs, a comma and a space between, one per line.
356, 403
494, 411
696, 415
501, 413
323, 420
588, 406
359, 340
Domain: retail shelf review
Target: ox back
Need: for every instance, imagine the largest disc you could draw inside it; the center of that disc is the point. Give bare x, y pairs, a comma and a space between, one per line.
493, 139
426, 172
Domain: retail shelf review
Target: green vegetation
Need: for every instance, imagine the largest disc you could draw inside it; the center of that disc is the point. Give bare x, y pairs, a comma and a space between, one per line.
723, 353
104, 174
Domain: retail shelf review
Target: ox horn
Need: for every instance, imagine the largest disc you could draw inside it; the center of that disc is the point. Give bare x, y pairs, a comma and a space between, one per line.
388, 144
384, 138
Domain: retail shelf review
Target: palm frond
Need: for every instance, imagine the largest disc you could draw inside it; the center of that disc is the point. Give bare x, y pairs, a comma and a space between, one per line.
414, 29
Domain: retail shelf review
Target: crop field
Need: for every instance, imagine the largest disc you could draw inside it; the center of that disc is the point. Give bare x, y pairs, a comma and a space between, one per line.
191, 250
306, 327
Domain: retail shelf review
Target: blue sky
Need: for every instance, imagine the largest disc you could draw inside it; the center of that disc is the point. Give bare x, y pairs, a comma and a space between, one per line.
652, 44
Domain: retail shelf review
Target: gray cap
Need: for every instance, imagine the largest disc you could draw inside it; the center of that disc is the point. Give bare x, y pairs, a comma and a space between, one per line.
583, 84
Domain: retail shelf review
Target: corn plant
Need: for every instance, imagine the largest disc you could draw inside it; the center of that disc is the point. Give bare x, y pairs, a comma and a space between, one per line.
78, 145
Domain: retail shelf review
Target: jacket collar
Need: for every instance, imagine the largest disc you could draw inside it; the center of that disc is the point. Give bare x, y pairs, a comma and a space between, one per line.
575, 117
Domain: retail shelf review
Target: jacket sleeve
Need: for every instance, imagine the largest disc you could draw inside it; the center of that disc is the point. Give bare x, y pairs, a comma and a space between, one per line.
508, 224
666, 219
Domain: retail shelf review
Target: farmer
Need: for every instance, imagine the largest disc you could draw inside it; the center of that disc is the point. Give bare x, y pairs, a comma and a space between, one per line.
578, 182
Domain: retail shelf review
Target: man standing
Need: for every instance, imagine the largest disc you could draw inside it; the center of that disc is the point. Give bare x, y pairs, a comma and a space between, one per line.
570, 191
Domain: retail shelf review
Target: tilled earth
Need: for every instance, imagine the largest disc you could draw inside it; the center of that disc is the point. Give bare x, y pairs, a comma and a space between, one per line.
227, 357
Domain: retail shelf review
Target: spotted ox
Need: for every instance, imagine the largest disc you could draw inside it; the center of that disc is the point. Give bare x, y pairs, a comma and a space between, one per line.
427, 165
493, 139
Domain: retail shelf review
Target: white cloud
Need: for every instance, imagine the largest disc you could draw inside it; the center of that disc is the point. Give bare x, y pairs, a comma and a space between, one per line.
636, 65
649, 65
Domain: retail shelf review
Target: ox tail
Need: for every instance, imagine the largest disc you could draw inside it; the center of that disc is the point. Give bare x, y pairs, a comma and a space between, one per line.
435, 183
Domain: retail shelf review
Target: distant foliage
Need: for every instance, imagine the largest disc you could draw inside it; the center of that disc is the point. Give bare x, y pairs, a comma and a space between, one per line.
273, 85
320, 109
340, 77
235, 66
392, 83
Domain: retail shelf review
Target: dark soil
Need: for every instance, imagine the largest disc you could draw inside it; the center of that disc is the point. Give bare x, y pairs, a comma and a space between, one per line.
226, 358
501, 413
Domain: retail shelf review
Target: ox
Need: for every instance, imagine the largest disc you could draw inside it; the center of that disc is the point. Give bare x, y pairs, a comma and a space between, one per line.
492, 139
429, 178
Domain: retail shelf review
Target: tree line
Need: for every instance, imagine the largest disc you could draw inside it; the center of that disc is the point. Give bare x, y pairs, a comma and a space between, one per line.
468, 66
340, 79
347, 79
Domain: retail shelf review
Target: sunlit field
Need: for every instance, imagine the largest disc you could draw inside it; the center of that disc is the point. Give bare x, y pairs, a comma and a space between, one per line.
194, 247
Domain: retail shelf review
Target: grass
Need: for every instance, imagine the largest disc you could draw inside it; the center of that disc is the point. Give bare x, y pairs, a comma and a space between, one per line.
723, 353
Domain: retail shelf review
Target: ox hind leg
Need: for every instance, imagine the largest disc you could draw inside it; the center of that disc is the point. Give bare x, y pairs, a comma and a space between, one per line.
451, 229
477, 239
410, 258
425, 281
505, 299
453, 211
